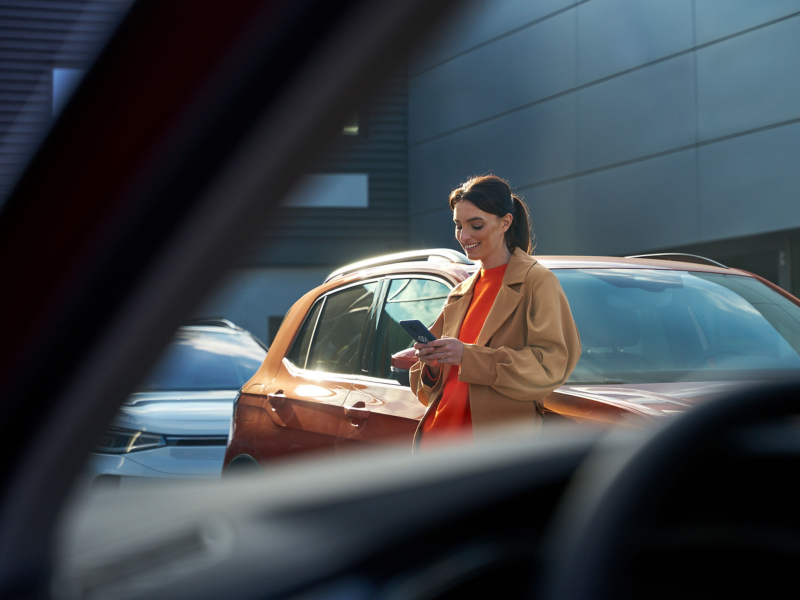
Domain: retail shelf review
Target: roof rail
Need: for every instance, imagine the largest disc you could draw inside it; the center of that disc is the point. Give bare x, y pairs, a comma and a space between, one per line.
678, 256
213, 322
433, 254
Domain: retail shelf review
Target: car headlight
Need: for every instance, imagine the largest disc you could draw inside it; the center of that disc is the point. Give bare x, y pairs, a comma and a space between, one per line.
122, 441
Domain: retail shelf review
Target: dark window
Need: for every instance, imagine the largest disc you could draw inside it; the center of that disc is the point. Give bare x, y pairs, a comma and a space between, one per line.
335, 347
420, 299
298, 354
199, 359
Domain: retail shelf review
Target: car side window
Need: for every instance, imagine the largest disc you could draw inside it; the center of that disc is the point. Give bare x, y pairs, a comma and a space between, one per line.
420, 299
298, 354
334, 344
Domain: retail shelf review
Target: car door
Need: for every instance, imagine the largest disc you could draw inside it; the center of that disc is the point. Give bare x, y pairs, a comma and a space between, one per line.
379, 410
305, 400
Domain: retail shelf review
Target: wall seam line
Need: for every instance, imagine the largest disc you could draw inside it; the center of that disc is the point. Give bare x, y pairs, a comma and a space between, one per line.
594, 83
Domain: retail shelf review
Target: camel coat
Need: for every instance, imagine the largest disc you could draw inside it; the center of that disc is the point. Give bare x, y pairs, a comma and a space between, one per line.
528, 347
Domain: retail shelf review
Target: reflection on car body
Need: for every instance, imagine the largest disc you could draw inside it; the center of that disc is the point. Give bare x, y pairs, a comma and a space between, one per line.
658, 337
177, 423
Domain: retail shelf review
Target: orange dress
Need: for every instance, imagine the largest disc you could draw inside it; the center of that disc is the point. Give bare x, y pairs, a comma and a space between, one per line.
452, 414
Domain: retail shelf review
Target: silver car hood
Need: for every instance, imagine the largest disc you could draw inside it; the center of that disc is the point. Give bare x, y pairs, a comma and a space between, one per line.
200, 413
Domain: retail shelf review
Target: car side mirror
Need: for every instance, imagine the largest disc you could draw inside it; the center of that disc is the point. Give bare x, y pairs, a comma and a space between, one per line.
401, 364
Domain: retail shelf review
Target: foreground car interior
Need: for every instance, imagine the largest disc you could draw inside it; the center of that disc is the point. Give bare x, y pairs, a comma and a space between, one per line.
701, 508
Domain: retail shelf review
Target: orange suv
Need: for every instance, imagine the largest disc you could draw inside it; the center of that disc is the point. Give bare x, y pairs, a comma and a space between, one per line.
659, 333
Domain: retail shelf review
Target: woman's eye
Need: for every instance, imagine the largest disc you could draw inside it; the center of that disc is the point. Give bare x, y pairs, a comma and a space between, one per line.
478, 228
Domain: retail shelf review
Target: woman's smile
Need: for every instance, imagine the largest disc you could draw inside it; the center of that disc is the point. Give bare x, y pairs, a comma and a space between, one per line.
481, 234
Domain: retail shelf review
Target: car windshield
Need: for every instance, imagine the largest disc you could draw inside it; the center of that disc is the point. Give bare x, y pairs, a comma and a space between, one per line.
649, 326
205, 360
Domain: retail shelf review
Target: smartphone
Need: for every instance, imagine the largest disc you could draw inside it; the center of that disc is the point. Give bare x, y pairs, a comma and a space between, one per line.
418, 331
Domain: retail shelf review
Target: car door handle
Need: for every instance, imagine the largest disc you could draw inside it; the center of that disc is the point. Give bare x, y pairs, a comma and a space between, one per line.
276, 400
358, 410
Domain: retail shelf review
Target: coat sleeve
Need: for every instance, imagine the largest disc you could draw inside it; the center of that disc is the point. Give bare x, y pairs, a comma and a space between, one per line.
418, 373
551, 350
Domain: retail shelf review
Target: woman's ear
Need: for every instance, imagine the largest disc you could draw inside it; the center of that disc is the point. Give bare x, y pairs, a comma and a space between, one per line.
507, 220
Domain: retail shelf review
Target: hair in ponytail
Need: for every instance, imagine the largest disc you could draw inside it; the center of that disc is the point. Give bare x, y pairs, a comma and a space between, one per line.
493, 195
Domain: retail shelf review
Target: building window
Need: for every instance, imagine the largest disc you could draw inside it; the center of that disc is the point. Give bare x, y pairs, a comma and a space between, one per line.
64, 83
330, 190
351, 125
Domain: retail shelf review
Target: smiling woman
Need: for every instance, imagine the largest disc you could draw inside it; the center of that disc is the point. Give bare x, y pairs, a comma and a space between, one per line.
508, 328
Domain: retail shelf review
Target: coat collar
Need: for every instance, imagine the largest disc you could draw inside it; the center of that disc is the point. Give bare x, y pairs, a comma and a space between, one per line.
518, 267
504, 305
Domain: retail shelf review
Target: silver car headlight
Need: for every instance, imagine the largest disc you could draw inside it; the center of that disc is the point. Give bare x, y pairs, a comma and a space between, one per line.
122, 441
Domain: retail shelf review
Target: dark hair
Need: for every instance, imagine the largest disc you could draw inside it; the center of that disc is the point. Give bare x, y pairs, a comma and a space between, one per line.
493, 195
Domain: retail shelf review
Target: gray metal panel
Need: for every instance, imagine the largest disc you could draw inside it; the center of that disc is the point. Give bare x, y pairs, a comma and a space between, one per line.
640, 113
478, 21
525, 147
720, 18
639, 207
749, 81
616, 35
505, 74
460, 32
554, 219
750, 184
434, 229
502, 16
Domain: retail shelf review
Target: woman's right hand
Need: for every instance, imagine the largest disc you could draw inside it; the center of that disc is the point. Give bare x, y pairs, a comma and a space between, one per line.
423, 350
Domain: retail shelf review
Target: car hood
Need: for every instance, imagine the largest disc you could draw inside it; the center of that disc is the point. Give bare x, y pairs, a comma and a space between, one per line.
639, 405
178, 413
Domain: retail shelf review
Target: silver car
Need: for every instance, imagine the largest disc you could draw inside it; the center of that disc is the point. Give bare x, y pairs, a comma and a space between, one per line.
176, 425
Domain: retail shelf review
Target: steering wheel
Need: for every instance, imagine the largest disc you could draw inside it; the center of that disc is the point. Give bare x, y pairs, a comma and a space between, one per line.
591, 533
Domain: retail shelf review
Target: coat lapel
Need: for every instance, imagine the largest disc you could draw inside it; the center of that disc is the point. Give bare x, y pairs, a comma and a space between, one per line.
507, 298
456, 309
504, 306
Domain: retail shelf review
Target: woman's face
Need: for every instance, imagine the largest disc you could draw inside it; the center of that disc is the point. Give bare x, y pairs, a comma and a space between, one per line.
482, 235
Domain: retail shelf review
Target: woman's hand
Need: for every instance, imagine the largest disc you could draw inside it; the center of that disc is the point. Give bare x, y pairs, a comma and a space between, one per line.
446, 351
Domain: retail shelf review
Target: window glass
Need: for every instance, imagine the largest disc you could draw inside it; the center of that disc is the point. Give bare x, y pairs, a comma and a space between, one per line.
205, 360
420, 299
299, 352
336, 342
657, 326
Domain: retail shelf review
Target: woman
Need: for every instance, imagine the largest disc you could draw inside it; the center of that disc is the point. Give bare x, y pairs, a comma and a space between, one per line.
507, 337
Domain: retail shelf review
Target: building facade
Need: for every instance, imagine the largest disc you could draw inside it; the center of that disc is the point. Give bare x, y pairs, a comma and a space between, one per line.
630, 126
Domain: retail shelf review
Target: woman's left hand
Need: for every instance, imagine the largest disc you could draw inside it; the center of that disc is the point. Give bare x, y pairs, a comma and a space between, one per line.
448, 351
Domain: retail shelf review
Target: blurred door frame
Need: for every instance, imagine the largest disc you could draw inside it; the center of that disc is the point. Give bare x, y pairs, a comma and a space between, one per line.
191, 124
